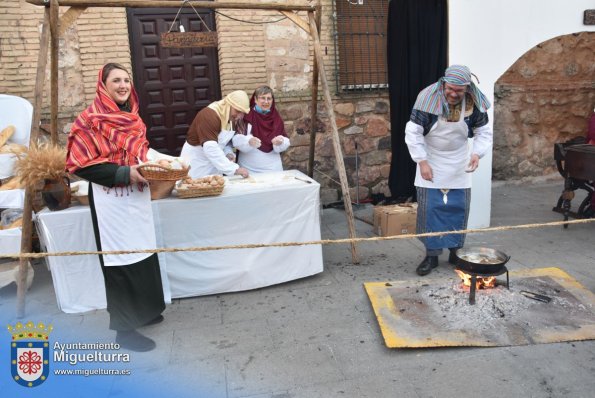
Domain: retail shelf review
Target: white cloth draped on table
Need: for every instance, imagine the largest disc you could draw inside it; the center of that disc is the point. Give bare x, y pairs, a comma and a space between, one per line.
268, 208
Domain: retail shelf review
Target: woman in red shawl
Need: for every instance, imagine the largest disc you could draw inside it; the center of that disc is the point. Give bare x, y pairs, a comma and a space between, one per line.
106, 143
265, 138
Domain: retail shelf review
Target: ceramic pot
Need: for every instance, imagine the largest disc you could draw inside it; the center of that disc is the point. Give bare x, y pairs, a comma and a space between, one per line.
56, 193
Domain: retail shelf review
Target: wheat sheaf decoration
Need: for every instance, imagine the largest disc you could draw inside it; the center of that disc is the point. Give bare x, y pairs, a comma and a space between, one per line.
42, 162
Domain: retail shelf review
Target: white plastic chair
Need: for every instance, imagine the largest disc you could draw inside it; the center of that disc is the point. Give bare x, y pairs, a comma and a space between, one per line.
18, 112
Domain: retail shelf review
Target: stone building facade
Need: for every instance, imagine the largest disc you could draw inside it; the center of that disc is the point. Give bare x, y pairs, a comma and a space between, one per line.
84, 48
279, 54
546, 96
539, 100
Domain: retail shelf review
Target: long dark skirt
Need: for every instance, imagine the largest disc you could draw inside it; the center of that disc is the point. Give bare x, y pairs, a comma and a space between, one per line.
134, 292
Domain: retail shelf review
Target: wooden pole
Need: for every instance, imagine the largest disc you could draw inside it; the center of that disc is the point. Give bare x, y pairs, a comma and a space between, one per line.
335, 134
54, 32
314, 109
27, 228
297, 20
42, 61
170, 4
70, 17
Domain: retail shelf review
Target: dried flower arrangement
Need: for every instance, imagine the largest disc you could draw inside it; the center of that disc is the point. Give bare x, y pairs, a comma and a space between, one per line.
42, 162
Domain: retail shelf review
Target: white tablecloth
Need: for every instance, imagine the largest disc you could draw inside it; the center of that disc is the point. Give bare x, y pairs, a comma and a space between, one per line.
15, 111
10, 241
12, 199
266, 208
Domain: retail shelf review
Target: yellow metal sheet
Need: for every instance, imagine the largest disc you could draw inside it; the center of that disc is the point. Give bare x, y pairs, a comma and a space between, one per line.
405, 322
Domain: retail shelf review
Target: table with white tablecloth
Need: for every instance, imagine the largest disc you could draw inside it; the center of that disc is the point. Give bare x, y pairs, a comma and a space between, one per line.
265, 208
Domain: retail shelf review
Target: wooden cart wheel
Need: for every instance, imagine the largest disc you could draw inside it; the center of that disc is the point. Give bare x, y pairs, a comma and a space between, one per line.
585, 210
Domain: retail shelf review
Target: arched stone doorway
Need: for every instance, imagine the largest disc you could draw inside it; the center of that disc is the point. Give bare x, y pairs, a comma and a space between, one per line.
545, 97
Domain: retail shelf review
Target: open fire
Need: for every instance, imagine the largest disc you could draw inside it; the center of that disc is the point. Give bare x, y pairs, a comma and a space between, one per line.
479, 267
482, 282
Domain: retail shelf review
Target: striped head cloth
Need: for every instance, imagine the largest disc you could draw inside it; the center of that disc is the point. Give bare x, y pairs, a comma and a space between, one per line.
236, 99
103, 133
431, 99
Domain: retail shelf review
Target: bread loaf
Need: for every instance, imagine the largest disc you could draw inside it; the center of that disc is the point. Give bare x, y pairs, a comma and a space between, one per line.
13, 148
16, 223
6, 134
204, 182
13, 183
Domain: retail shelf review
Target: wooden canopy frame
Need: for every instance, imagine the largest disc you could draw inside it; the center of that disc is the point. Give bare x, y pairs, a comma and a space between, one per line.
54, 26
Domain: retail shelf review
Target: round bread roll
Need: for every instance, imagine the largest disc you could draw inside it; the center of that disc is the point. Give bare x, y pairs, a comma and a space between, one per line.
164, 163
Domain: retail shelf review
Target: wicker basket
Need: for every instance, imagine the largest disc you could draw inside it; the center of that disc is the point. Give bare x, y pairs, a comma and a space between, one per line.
157, 172
161, 188
198, 192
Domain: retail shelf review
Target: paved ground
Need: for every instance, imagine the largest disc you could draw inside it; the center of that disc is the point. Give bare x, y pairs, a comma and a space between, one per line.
318, 337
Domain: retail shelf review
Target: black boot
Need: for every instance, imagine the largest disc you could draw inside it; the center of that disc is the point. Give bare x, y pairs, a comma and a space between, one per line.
134, 341
452, 256
426, 266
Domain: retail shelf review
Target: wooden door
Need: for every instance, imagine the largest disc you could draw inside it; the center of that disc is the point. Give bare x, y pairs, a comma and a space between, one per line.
173, 84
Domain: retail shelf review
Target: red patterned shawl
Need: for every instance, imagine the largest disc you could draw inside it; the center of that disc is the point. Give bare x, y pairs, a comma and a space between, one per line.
265, 126
104, 134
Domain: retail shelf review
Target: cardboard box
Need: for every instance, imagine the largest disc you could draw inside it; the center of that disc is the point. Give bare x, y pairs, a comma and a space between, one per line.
396, 219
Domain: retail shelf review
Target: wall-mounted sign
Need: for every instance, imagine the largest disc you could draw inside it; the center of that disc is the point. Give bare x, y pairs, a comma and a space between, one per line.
189, 39
589, 17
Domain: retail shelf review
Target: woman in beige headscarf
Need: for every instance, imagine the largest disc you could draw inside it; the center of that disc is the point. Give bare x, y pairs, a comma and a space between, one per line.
207, 146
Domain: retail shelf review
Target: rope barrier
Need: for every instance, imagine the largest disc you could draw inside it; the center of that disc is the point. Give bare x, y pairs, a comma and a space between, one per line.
307, 243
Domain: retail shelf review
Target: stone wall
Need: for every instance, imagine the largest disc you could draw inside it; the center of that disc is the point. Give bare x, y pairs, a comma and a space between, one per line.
364, 122
84, 47
19, 45
546, 96
270, 49
278, 54
281, 55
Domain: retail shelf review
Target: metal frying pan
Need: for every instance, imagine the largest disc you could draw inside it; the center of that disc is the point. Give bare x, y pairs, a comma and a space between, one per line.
481, 260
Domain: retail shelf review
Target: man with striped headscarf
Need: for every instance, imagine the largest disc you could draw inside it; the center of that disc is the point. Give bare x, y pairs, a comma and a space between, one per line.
444, 116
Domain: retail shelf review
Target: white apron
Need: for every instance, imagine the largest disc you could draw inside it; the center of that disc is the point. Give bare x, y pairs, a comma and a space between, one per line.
125, 221
448, 155
200, 165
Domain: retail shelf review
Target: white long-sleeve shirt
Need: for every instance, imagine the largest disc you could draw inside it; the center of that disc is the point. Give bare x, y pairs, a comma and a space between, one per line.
207, 159
255, 160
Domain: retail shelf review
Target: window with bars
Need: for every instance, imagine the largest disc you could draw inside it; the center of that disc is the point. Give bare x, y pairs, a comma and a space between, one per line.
360, 44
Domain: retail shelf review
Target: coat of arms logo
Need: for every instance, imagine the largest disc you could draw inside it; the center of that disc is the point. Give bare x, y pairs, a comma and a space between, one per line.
29, 353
